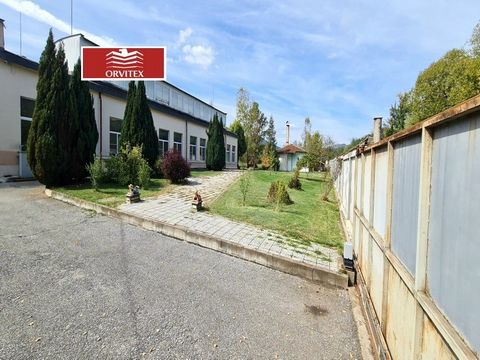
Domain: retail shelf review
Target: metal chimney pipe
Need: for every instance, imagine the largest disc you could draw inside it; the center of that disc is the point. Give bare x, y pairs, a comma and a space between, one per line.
2, 35
288, 133
377, 129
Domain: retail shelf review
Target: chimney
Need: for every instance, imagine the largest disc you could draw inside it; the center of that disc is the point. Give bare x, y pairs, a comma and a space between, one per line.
2, 35
377, 129
288, 133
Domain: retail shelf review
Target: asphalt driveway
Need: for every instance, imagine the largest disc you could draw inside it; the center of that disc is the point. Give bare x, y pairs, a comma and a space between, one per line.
76, 285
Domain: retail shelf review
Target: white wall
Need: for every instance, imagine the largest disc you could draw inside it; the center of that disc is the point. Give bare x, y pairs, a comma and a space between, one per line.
15, 82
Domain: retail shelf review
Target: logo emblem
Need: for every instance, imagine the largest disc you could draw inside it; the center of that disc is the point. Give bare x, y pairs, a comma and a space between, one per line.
124, 63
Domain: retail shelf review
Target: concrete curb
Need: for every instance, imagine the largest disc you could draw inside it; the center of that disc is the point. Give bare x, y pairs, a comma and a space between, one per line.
289, 266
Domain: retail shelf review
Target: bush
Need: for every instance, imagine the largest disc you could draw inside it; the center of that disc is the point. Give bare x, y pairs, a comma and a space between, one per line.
125, 168
294, 182
278, 194
97, 174
157, 168
174, 167
244, 187
144, 172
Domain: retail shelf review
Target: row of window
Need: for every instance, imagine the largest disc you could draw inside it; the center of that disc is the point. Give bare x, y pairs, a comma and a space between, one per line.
165, 94
26, 114
163, 143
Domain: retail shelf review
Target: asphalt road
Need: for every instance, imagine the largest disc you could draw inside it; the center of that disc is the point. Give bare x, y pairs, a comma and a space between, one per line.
76, 285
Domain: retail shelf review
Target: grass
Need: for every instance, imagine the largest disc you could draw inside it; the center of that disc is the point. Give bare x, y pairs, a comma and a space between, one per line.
113, 195
199, 173
308, 220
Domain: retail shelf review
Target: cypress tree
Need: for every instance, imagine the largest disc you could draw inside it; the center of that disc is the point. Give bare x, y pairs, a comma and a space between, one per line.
137, 126
215, 159
48, 141
83, 125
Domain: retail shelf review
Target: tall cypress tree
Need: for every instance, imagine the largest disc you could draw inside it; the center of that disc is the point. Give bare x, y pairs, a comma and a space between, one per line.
83, 125
215, 159
48, 137
137, 126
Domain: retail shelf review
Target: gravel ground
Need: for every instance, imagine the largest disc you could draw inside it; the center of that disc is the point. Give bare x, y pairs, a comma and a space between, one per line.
75, 285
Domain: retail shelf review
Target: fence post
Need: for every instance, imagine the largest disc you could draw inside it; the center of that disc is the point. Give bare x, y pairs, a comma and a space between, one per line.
388, 234
422, 234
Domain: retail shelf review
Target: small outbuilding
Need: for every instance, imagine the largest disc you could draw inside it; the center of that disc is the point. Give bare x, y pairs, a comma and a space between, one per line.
288, 157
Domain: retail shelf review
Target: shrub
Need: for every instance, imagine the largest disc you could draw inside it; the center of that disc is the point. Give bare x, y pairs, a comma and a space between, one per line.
157, 168
174, 167
294, 182
278, 194
97, 174
244, 186
125, 168
144, 172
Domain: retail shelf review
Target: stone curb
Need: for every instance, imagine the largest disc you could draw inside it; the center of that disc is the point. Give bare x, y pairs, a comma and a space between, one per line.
289, 266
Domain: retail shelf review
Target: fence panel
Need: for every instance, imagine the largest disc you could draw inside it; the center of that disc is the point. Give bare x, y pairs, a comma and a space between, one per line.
454, 232
406, 181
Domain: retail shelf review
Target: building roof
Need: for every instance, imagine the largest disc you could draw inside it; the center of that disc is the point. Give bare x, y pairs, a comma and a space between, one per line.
110, 89
291, 149
10, 57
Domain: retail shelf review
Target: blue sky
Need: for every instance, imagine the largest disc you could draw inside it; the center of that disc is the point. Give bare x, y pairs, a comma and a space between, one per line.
339, 62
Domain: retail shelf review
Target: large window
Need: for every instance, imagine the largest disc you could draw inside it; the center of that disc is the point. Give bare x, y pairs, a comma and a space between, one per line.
26, 114
193, 148
203, 145
228, 153
234, 155
162, 142
115, 129
177, 142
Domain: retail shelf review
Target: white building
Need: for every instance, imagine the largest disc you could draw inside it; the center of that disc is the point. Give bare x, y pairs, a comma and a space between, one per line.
180, 119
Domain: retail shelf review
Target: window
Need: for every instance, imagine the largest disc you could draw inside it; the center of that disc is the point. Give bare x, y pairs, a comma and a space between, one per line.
193, 148
203, 145
115, 129
162, 142
26, 113
177, 142
234, 155
228, 153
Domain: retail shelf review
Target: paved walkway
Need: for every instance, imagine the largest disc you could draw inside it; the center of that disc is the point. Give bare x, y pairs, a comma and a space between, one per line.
175, 208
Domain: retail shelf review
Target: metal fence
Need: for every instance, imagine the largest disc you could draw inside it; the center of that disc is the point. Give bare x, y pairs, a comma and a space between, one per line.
411, 207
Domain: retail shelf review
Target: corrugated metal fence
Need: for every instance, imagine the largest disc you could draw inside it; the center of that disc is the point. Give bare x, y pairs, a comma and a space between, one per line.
411, 207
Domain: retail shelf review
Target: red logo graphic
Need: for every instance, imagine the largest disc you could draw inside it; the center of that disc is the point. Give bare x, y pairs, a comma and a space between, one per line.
125, 63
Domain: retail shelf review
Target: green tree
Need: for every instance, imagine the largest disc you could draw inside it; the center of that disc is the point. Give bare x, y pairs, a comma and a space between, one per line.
137, 125
48, 143
215, 157
83, 125
475, 41
254, 133
270, 149
237, 128
447, 82
398, 114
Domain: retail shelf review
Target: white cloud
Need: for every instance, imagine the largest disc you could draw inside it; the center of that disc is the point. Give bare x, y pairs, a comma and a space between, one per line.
184, 35
198, 54
34, 11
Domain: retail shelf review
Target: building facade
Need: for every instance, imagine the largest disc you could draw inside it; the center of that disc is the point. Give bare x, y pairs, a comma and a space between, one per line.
180, 119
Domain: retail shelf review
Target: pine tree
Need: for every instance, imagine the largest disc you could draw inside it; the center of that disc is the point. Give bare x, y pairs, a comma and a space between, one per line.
137, 127
216, 145
84, 127
48, 139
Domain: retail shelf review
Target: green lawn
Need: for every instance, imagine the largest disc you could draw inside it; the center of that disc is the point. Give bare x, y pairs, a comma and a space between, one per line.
113, 195
308, 220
